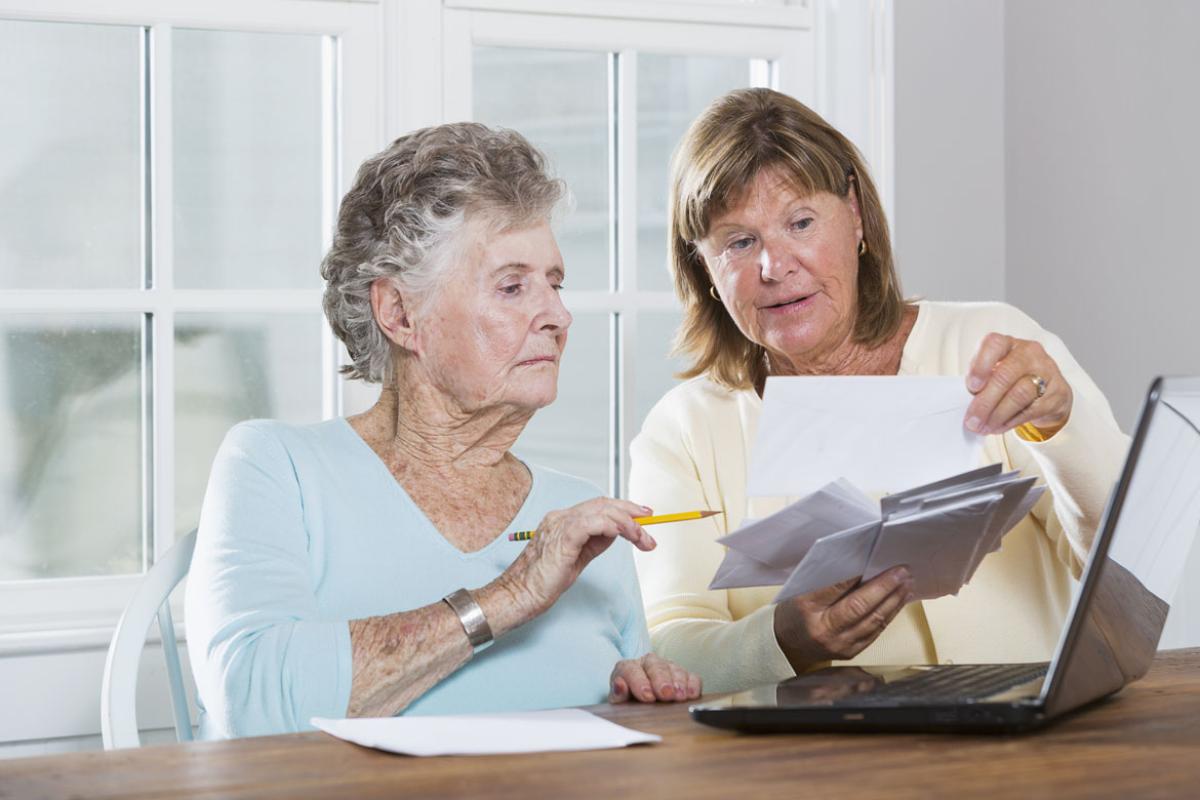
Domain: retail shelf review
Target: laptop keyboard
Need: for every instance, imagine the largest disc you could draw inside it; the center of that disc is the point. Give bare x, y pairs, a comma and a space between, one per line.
957, 683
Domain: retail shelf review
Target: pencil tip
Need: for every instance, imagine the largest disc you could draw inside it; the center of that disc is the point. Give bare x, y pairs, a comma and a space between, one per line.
704, 514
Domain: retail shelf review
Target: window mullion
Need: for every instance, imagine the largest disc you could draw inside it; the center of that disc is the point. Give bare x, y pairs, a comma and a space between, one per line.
161, 502
625, 199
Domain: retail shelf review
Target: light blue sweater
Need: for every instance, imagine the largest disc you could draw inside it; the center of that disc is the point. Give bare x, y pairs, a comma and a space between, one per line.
304, 529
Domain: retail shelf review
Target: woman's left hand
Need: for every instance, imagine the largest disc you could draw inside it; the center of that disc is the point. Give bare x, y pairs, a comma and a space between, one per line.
1004, 379
651, 679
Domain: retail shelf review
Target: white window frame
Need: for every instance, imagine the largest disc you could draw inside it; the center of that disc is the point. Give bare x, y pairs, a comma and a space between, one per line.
400, 67
780, 35
49, 615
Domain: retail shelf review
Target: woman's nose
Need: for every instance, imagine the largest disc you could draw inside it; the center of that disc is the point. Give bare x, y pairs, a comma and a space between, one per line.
775, 262
555, 315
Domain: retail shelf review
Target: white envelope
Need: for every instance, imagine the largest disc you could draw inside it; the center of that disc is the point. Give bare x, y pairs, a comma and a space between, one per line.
739, 569
937, 545
783, 538
880, 433
833, 559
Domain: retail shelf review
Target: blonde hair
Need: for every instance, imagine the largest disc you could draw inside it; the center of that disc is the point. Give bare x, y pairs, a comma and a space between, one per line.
724, 150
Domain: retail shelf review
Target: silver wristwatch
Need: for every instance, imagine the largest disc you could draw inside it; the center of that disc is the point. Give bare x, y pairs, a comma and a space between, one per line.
479, 633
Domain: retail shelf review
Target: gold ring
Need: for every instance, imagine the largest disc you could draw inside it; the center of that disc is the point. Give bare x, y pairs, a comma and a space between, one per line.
1040, 383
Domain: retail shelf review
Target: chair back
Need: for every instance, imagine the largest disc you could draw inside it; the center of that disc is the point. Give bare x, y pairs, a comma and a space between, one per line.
118, 692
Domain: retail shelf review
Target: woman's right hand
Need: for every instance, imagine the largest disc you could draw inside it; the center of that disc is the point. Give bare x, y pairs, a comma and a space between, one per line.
567, 540
839, 621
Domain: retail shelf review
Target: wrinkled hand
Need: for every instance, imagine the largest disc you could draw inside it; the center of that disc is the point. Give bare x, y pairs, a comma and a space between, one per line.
652, 679
1001, 378
567, 540
839, 621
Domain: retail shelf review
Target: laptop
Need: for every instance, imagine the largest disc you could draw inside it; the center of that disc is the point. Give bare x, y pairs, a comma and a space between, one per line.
1109, 639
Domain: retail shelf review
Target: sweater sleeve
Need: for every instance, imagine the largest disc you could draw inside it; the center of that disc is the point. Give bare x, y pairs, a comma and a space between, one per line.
1080, 463
689, 623
263, 658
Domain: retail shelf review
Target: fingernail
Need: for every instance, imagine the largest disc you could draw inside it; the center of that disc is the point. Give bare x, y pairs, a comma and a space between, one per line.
679, 690
901, 576
650, 539
973, 424
908, 598
974, 384
666, 691
648, 509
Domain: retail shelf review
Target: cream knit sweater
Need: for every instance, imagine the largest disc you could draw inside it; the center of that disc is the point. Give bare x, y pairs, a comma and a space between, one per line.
693, 452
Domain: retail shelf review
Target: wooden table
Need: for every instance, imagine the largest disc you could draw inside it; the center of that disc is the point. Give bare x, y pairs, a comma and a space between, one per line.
1145, 742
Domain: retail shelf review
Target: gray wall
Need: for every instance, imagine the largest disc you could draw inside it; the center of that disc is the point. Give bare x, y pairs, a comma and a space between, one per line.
1101, 136
949, 144
1102, 133
1047, 153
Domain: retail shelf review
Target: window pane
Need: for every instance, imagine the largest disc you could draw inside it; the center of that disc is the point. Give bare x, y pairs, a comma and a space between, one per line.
70, 156
559, 100
70, 470
231, 367
573, 433
247, 160
672, 91
654, 368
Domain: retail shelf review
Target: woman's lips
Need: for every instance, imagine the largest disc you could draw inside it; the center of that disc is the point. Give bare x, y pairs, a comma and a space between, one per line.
540, 360
790, 306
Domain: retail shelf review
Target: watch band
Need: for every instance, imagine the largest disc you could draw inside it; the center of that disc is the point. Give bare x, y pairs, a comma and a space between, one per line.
479, 633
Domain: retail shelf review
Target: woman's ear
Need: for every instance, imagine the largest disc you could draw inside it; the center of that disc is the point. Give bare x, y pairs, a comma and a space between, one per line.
852, 201
392, 315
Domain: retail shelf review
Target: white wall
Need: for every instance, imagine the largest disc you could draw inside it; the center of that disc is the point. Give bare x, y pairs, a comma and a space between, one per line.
949, 129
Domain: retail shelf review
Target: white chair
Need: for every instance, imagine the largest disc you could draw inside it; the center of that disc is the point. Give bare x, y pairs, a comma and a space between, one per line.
118, 692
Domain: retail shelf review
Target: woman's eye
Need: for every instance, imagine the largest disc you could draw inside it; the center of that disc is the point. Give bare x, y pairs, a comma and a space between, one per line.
558, 287
741, 244
801, 224
512, 288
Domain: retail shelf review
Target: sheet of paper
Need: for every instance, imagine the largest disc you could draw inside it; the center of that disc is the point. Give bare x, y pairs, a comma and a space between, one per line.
783, 538
835, 558
882, 434
486, 734
936, 545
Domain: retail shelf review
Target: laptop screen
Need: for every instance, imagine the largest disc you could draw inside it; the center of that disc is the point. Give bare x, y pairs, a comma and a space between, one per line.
1139, 555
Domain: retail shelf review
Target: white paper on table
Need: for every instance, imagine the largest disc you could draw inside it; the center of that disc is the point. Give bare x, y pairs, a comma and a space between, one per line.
880, 433
833, 559
486, 734
937, 545
784, 537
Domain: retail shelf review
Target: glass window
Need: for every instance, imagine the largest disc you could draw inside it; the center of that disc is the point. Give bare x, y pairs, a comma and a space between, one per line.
71, 410
70, 156
671, 92
654, 366
574, 433
247, 159
559, 100
233, 367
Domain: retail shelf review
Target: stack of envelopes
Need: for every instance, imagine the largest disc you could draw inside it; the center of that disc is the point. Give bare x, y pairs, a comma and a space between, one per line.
941, 530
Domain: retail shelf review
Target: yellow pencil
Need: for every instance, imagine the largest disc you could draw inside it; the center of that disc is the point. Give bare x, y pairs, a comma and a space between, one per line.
657, 519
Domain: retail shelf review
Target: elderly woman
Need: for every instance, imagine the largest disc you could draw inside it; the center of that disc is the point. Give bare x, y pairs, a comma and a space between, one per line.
780, 254
358, 567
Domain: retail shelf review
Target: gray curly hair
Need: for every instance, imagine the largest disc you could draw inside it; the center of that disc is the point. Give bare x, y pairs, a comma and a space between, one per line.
403, 217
